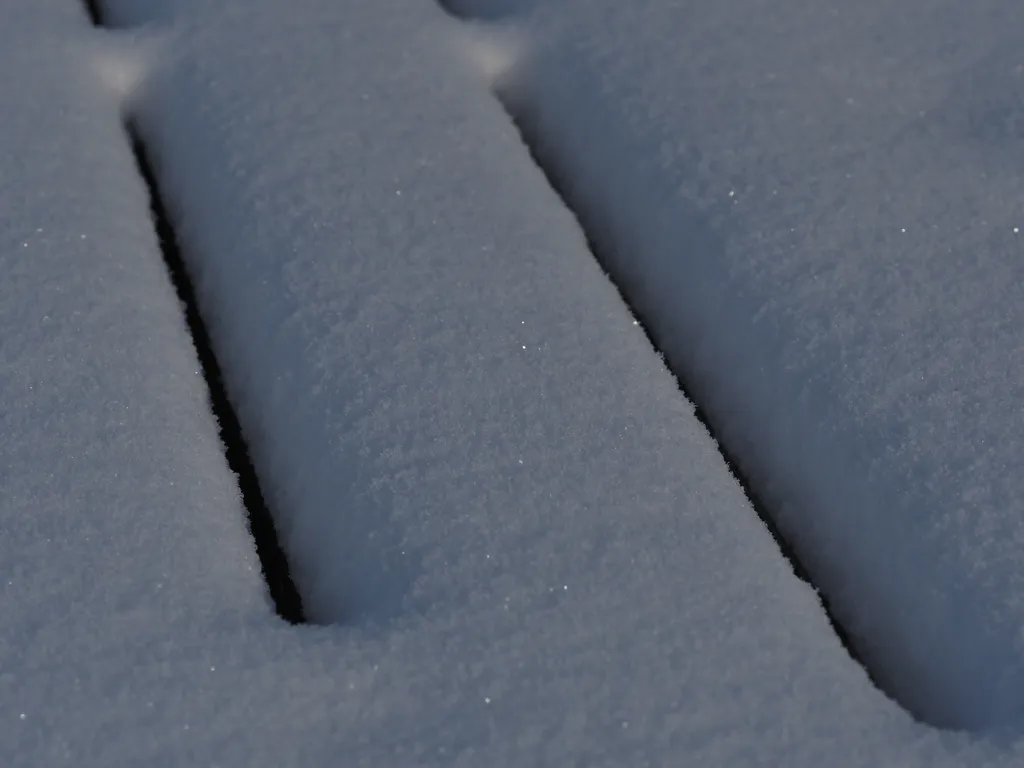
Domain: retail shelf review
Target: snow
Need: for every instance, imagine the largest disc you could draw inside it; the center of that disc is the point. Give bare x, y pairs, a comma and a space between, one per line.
126, 566
516, 542
814, 207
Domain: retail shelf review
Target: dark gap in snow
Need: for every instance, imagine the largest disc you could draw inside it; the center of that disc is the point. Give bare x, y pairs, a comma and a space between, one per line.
587, 220
273, 562
92, 8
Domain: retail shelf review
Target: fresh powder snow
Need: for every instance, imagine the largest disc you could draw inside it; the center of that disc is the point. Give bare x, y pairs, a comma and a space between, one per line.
817, 209
515, 542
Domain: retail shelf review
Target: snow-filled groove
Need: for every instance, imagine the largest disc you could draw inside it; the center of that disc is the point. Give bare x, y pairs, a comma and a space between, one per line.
92, 8
587, 219
562, 189
273, 562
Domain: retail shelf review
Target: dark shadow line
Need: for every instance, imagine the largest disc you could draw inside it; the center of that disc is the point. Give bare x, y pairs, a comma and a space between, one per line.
273, 562
92, 8
563, 190
586, 223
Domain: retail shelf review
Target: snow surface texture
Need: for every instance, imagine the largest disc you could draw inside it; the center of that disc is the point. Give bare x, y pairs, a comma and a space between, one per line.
530, 551
818, 210
128, 580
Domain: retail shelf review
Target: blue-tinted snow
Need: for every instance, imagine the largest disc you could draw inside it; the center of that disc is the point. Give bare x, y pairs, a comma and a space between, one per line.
818, 207
128, 581
405, 313
467, 442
